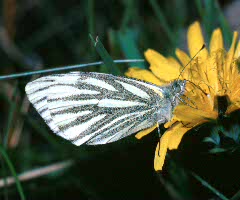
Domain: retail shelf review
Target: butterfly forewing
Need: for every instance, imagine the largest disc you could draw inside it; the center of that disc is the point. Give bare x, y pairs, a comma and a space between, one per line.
95, 108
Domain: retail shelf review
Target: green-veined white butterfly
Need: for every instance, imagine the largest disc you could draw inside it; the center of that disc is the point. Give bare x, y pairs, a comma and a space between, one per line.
95, 108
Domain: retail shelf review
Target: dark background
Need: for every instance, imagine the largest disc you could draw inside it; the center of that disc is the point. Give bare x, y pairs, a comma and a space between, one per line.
42, 34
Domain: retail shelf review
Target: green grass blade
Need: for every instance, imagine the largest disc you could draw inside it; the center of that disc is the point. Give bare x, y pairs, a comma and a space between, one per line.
212, 17
128, 42
130, 7
227, 33
199, 7
91, 17
163, 22
4, 172
107, 59
208, 16
10, 118
207, 185
11, 167
236, 196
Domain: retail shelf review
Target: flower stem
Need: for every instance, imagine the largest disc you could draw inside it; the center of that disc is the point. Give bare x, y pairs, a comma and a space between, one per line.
207, 185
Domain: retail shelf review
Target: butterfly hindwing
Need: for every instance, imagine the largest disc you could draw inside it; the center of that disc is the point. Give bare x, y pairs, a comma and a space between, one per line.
95, 108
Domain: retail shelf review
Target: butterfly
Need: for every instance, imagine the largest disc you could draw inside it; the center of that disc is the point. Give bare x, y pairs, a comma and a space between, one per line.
96, 108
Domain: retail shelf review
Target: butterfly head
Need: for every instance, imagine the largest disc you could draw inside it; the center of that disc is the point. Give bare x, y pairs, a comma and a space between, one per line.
178, 90
178, 87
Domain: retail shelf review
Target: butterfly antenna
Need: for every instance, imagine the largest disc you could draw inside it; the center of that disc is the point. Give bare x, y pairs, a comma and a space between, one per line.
203, 46
197, 86
183, 101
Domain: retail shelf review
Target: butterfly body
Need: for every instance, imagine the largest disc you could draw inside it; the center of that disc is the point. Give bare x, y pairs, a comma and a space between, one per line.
96, 108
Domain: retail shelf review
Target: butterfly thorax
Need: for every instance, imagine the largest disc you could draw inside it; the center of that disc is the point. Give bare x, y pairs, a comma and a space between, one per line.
169, 100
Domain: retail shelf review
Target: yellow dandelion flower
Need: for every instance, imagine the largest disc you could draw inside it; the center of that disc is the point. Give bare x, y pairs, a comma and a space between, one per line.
212, 73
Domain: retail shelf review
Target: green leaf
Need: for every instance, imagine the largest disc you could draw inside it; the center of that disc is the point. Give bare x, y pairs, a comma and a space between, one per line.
214, 137
209, 139
217, 150
233, 133
128, 42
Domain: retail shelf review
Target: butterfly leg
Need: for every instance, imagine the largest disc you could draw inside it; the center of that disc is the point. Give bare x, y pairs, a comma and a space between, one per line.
183, 101
159, 132
191, 101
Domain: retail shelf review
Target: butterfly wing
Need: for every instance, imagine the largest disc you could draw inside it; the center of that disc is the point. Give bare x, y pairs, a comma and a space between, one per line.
94, 108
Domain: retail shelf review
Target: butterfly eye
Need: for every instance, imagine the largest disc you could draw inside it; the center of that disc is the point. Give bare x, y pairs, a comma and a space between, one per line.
177, 87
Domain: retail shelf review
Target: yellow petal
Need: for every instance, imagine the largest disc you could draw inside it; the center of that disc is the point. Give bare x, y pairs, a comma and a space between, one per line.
170, 123
177, 133
144, 132
232, 108
184, 59
187, 114
229, 58
233, 45
211, 70
236, 59
160, 154
170, 139
237, 51
173, 62
216, 41
182, 56
234, 90
196, 41
143, 74
161, 67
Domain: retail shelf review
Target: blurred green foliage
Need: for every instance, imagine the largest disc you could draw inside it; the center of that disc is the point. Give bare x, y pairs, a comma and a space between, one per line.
38, 34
